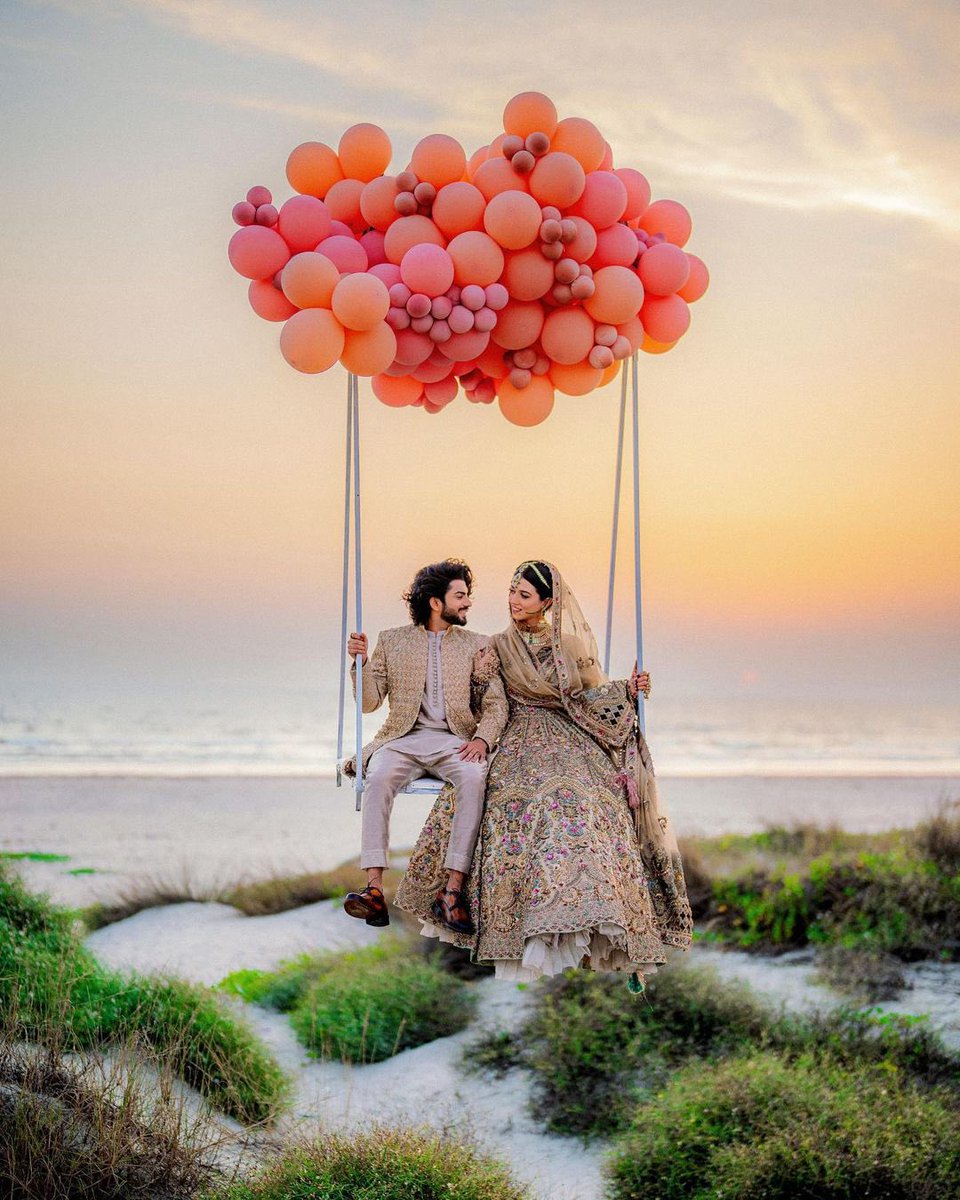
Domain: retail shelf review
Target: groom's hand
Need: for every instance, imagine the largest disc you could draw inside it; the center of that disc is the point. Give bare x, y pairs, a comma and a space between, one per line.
357, 645
475, 751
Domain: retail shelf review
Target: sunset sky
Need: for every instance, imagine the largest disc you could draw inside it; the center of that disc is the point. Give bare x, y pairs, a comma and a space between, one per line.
170, 490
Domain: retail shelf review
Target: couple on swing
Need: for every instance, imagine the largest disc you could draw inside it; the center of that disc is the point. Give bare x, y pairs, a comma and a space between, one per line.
548, 847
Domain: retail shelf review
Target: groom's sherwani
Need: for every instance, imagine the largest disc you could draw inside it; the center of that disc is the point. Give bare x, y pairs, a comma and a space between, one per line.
442, 693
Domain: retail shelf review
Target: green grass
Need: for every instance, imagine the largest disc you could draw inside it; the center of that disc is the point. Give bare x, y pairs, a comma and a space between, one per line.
380, 1165
53, 990
767, 1127
364, 1005
33, 856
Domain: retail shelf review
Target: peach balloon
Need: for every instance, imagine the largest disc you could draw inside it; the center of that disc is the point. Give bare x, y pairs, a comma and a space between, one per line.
608, 374
582, 139
258, 253
268, 301
617, 297
478, 157
413, 348
496, 175
638, 192
616, 247
518, 325
584, 244
491, 362
526, 406
670, 218
663, 269
369, 351
528, 275
575, 379
308, 280
606, 163
360, 302
387, 271
396, 392
303, 221
476, 258
530, 112
460, 347
649, 346
441, 392
457, 208
697, 283
513, 220
312, 340
604, 199
427, 268
665, 318
364, 152
438, 159
567, 335
558, 179
343, 203
376, 202
409, 231
633, 331
345, 252
313, 168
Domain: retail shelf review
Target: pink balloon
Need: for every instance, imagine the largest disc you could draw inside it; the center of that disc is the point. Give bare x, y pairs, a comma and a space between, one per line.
340, 229
460, 319
413, 348
259, 195
583, 245
698, 282
616, 247
431, 372
267, 215
670, 218
441, 392
345, 253
463, 346
244, 213
439, 332
441, 307
373, 242
421, 324
304, 221
257, 252
398, 318
497, 296
418, 305
665, 318
638, 192
484, 320
400, 293
603, 201
389, 273
268, 301
427, 268
664, 269
473, 297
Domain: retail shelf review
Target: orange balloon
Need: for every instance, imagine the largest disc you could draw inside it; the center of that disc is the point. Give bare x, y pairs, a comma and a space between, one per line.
438, 159
582, 139
407, 232
361, 301
313, 169
369, 351
396, 391
665, 318
496, 175
343, 204
457, 208
609, 373
698, 282
476, 257
308, 280
519, 324
558, 179
526, 406
491, 362
649, 346
312, 340
376, 202
364, 152
567, 335
527, 274
670, 218
513, 219
633, 331
638, 191
269, 302
575, 379
474, 161
607, 161
618, 295
530, 112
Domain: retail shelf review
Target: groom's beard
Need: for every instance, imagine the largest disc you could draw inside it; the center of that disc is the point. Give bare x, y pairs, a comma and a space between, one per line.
452, 617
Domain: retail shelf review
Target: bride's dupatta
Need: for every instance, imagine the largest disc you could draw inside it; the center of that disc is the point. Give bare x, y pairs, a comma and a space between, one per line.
605, 710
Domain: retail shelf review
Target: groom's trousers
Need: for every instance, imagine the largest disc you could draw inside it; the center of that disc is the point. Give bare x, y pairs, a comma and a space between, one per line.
400, 762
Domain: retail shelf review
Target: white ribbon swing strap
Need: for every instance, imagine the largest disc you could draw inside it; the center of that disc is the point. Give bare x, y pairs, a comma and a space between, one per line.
351, 492
629, 365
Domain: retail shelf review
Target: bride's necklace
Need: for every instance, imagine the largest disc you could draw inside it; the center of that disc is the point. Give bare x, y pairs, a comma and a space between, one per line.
537, 636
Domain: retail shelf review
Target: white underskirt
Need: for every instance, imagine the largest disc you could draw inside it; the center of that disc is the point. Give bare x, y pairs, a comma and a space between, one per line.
553, 953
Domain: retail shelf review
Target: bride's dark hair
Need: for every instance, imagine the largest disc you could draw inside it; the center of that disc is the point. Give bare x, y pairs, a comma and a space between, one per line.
540, 576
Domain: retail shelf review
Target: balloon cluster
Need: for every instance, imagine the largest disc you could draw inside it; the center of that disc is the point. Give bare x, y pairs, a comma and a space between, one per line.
534, 267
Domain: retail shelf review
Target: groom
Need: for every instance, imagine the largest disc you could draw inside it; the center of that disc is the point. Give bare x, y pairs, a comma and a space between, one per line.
427, 670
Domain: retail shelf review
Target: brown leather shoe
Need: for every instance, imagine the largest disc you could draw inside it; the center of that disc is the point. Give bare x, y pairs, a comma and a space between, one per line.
450, 909
368, 905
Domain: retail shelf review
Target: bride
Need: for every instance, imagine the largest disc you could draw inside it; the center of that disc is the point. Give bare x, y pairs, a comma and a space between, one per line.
576, 863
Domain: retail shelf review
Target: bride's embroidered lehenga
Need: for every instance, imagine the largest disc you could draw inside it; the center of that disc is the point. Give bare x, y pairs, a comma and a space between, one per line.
576, 863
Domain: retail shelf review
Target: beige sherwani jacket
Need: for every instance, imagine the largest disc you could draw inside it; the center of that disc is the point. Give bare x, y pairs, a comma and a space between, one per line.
476, 704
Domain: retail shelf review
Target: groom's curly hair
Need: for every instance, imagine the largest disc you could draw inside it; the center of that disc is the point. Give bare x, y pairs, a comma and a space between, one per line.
434, 581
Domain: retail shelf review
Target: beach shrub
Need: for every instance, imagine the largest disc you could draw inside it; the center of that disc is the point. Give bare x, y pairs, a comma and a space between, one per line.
383, 1164
55, 991
764, 1127
366, 1005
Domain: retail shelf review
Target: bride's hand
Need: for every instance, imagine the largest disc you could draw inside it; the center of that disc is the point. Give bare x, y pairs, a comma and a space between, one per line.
639, 682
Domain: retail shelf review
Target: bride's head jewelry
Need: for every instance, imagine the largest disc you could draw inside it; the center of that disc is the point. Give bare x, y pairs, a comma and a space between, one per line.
518, 575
